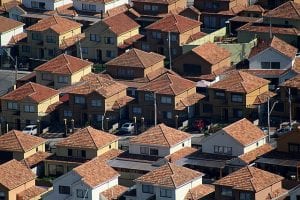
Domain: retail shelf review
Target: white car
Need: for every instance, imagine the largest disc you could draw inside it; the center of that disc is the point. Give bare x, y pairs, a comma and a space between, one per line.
127, 127
30, 129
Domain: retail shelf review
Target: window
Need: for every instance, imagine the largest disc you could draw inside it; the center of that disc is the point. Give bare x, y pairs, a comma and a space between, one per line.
63, 79
275, 65
137, 110
174, 38
207, 108
165, 99
153, 152
94, 37
279, 107
238, 98
174, 51
145, 47
2, 195
222, 150
96, 103
46, 77
226, 192
144, 150
237, 113
294, 148
34, 4
50, 38
109, 40
147, 7
12, 106
79, 100
147, 189
148, 97
85, 6
36, 36
245, 196
29, 108
84, 50
154, 8
67, 113
92, 7
167, 115
156, 35
166, 193
110, 54
83, 153
70, 154
50, 52
64, 189
83, 194
25, 48
270, 65
219, 95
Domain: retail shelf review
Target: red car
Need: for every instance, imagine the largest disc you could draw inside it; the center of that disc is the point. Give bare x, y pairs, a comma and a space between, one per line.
199, 124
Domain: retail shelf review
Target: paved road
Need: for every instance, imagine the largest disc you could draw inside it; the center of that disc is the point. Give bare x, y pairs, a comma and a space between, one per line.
7, 79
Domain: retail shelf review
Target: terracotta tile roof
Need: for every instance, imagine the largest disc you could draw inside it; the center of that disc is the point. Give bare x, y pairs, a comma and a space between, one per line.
189, 101
168, 84
239, 81
32, 91
188, 10
196, 36
254, 8
18, 141
182, 153
31, 193
95, 83
174, 23
56, 23
250, 179
69, 42
35, 159
7, 24
54, 107
199, 192
244, 132
120, 23
96, 172
263, 98
288, 10
296, 66
244, 19
14, 174
67, 9
232, 11
114, 192
266, 72
89, 138
169, 175
63, 64
277, 44
136, 58
156, 1
257, 152
130, 41
121, 102
15, 39
211, 52
161, 135
293, 82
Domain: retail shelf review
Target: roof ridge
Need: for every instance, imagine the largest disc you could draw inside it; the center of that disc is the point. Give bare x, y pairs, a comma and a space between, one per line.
15, 133
163, 133
172, 175
251, 179
293, 5
88, 129
68, 63
167, 74
134, 50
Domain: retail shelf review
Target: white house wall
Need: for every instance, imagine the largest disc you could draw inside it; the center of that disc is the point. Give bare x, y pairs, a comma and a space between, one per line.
255, 145
135, 149
182, 191
186, 143
114, 4
6, 37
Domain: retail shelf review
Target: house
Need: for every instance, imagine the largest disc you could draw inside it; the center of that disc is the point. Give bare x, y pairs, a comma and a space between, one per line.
215, 14
176, 27
284, 160
108, 38
18, 182
43, 5
61, 71
272, 56
172, 182
96, 100
91, 180
50, 37
18, 145
191, 12
203, 62
255, 11
249, 183
4, 2
175, 98
81, 146
29, 104
97, 6
9, 30
269, 5
235, 95
148, 150
152, 10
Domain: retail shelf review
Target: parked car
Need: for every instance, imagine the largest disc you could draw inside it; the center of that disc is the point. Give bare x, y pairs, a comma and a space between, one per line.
127, 127
200, 124
30, 129
281, 132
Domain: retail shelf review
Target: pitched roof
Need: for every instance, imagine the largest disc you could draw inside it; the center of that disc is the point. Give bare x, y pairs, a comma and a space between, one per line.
88, 138
157, 1
255, 153
254, 8
244, 131
14, 174
168, 84
63, 64
161, 135
136, 58
120, 23
114, 192
293, 82
95, 83
211, 52
239, 81
18, 141
32, 91
7, 24
95, 172
288, 10
56, 23
31, 193
199, 192
250, 179
35, 159
169, 175
174, 23
277, 44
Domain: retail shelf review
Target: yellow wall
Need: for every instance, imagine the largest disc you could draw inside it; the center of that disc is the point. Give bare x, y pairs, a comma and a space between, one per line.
250, 97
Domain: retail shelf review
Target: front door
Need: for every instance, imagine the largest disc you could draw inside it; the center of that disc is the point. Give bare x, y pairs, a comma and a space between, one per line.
225, 114
99, 55
42, 53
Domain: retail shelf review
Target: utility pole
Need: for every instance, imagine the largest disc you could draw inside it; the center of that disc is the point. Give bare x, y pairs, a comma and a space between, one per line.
16, 71
80, 49
155, 109
270, 28
290, 108
170, 54
269, 114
